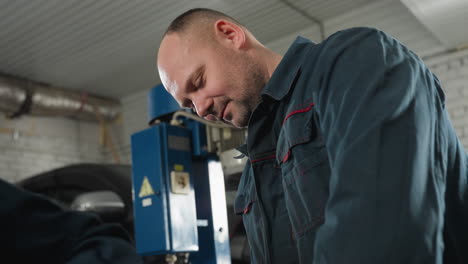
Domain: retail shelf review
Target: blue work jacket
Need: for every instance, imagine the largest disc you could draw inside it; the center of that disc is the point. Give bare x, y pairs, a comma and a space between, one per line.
353, 159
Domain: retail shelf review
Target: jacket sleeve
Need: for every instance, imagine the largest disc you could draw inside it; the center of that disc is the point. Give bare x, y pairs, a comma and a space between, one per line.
39, 230
378, 109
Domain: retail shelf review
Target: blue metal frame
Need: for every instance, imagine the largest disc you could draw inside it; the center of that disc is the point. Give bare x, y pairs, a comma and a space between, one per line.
165, 222
160, 103
211, 207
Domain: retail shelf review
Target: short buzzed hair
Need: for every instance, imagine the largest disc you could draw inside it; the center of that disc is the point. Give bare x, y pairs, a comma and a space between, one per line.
190, 17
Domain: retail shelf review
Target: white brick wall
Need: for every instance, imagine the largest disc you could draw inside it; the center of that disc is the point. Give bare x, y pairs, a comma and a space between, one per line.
452, 71
31, 145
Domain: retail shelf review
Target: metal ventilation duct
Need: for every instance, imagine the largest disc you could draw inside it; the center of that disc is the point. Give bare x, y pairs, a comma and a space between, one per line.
20, 96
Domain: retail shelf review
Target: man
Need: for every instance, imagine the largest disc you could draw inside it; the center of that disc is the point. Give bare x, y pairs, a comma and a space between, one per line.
36, 230
352, 157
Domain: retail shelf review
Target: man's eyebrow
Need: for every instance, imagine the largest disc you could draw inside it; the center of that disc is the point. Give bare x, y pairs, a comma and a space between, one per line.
194, 74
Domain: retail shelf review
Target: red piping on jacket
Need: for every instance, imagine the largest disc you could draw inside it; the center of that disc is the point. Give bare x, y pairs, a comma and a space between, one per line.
247, 209
286, 157
298, 111
265, 158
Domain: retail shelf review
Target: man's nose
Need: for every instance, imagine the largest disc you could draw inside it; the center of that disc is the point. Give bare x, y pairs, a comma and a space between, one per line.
203, 106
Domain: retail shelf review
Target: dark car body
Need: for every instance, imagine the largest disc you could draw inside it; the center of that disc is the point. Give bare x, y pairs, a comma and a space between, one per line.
66, 183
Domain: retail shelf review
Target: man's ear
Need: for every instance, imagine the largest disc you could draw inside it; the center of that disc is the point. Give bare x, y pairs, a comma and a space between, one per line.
230, 34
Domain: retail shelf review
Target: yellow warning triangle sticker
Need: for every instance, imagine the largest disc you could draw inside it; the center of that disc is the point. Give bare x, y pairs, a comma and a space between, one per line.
146, 189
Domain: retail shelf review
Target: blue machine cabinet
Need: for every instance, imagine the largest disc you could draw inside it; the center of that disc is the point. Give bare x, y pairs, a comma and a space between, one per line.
164, 199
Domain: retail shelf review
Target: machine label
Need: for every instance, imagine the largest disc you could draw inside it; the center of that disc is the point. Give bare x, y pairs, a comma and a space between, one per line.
146, 202
180, 182
179, 143
178, 167
146, 189
202, 222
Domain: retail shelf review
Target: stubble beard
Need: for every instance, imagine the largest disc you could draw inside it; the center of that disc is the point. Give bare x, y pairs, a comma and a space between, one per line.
253, 87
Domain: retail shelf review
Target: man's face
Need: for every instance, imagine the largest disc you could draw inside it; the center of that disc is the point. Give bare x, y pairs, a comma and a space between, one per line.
220, 83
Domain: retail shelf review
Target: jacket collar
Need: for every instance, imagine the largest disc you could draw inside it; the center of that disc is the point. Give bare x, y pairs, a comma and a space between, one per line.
280, 82
284, 75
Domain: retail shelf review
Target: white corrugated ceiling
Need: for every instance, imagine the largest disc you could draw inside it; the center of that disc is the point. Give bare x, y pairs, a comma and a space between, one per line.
108, 47
447, 19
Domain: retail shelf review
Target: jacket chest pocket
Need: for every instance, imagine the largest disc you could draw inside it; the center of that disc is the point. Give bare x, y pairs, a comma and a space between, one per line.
261, 203
305, 171
246, 205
